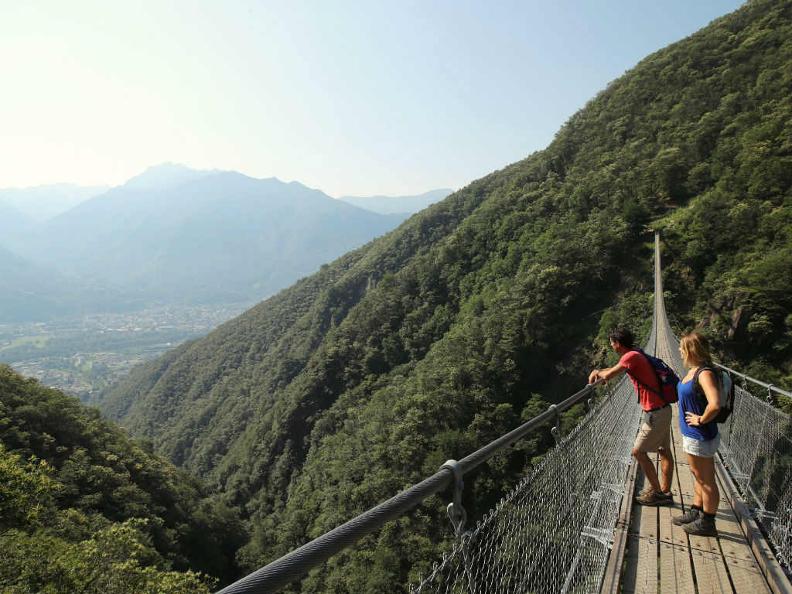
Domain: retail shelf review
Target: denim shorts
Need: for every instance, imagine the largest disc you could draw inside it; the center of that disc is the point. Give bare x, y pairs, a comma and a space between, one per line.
701, 448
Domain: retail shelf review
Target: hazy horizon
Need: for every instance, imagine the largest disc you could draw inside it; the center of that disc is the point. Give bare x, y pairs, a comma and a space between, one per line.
99, 189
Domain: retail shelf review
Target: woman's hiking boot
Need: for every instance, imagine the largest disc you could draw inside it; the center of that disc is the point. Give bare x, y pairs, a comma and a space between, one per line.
704, 525
654, 498
689, 516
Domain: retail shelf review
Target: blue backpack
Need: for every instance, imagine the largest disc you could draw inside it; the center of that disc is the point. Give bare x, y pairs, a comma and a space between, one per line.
667, 380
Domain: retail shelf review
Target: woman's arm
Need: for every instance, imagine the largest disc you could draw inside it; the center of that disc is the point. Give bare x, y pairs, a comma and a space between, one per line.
706, 380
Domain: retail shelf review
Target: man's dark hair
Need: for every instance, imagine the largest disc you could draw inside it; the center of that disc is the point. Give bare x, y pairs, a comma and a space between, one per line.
623, 337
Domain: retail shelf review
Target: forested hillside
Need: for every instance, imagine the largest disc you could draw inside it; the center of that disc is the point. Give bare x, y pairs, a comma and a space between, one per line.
477, 312
85, 509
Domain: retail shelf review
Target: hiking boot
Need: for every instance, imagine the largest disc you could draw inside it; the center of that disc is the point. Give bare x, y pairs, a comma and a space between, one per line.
654, 498
689, 516
704, 525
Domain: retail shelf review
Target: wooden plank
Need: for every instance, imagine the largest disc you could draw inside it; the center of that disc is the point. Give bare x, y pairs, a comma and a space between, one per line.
708, 563
613, 577
730, 545
711, 574
629, 580
676, 570
661, 557
747, 576
740, 562
641, 562
775, 576
641, 574
730, 535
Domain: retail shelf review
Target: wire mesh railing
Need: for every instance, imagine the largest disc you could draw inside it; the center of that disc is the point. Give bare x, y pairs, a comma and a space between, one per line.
296, 564
552, 533
756, 449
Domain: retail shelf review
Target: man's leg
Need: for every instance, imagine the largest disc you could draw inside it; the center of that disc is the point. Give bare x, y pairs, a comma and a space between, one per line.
648, 468
667, 469
664, 418
645, 441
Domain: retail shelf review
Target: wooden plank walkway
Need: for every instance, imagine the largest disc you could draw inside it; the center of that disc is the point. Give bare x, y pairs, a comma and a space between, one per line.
662, 558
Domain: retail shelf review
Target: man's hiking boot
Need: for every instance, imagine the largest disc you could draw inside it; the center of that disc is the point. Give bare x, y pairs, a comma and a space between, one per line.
654, 498
689, 516
704, 525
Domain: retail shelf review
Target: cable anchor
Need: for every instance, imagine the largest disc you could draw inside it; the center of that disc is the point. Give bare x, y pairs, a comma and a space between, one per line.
556, 429
456, 513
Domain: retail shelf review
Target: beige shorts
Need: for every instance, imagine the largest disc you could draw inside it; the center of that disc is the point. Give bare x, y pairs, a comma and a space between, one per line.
655, 432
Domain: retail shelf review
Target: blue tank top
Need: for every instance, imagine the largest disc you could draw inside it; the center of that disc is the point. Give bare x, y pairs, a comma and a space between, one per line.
690, 401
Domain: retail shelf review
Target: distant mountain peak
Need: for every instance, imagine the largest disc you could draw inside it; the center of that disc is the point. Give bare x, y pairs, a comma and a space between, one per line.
166, 175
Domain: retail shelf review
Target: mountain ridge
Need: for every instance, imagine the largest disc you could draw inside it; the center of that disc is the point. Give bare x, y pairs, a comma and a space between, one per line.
180, 235
397, 204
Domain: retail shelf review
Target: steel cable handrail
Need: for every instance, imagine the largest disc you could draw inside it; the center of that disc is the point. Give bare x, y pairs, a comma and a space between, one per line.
552, 532
766, 386
297, 563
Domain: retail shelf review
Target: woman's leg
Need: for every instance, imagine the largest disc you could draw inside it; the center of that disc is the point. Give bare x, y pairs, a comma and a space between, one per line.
697, 496
704, 471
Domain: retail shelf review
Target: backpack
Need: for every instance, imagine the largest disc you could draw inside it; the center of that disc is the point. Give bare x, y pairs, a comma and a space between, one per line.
725, 390
667, 380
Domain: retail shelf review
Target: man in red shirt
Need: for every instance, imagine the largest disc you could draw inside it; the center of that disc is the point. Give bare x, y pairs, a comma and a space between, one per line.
655, 433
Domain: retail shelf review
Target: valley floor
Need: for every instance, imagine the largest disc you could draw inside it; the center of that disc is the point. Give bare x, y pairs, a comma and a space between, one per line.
83, 355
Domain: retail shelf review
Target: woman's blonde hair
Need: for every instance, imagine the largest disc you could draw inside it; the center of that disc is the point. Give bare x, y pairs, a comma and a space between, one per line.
695, 349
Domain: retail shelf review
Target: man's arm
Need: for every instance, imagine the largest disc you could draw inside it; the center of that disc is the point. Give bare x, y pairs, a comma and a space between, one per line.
606, 374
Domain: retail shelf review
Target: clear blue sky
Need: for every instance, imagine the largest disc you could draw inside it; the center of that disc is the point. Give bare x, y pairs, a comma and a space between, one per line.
349, 97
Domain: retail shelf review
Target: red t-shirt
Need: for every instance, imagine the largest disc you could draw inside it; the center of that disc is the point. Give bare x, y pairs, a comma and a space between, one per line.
639, 368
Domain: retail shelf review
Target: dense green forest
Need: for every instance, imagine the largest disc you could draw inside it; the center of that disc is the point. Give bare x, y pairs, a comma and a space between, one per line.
479, 311
83, 508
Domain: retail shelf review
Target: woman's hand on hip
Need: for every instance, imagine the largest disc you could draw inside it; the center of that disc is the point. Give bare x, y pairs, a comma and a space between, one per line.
692, 419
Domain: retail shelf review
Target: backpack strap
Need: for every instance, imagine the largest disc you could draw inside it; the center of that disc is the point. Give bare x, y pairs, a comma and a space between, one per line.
697, 385
699, 370
659, 391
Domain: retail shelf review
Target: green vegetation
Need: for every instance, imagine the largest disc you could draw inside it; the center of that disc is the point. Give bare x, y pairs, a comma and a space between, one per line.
479, 311
85, 509
30, 342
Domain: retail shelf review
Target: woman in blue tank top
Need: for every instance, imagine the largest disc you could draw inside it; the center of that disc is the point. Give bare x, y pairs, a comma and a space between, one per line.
699, 403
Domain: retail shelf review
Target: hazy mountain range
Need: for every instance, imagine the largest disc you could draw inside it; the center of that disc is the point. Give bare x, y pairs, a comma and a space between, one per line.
44, 202
171, 235
398, 204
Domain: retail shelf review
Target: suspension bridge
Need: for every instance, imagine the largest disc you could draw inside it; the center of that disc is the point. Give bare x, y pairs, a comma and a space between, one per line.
570, 525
